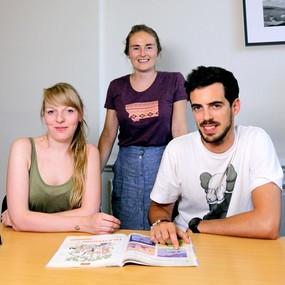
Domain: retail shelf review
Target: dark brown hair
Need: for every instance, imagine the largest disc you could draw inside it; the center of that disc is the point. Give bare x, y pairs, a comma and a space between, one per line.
142, 28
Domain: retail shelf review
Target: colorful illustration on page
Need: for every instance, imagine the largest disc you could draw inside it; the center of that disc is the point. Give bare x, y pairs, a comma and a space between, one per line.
141, 244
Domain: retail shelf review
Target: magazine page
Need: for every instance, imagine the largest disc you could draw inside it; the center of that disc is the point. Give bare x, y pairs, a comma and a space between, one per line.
90, 251
142, 250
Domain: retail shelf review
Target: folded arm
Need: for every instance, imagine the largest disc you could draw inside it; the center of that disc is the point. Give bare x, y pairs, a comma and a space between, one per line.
86, 218
261, 222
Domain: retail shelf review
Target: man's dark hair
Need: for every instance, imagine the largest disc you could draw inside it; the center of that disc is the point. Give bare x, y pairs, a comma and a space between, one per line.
204, 76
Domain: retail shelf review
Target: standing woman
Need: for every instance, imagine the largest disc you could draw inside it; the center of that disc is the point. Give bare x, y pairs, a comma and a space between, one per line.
149, 109
53, 181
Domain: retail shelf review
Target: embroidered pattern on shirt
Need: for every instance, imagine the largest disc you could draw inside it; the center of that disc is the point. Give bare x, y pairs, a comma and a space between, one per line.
141, 111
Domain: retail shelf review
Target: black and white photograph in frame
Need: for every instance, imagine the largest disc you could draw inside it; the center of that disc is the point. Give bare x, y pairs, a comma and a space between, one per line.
264, 22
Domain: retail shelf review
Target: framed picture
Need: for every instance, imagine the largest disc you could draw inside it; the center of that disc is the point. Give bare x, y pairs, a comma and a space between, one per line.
264, 22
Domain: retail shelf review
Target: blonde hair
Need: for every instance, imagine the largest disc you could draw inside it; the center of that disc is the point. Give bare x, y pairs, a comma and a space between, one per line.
65, 94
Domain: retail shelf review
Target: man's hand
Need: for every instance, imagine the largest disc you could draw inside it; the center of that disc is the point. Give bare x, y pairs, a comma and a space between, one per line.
167, 233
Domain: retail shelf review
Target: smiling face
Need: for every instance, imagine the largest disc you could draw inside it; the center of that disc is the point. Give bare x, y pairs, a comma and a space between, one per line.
62, 112
143, 51
61, 121
214, 116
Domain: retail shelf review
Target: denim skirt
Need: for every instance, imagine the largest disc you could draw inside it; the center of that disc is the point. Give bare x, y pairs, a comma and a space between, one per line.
135, 171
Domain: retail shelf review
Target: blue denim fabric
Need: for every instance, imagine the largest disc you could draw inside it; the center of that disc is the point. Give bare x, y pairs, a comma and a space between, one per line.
135, 171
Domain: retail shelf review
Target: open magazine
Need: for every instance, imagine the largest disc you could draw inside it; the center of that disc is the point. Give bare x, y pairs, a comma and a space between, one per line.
119, 249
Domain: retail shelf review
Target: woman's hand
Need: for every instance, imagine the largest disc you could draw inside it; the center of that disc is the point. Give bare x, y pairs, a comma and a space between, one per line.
101, 223
5, 219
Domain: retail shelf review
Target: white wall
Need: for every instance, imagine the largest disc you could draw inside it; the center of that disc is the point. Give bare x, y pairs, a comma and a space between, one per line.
82, 42
203, 32
44, 42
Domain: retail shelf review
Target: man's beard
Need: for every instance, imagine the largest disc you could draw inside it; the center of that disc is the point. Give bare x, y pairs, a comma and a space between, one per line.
216, 140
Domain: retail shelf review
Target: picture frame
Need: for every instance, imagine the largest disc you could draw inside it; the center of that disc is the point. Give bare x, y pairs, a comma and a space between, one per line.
264, 22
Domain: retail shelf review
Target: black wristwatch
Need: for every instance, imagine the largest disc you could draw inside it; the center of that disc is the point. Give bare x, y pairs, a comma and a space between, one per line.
193, 225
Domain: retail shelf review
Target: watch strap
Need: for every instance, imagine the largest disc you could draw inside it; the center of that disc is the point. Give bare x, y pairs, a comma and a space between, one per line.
193, 224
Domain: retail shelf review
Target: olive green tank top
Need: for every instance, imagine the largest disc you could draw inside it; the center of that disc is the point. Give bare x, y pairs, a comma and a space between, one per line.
43, 197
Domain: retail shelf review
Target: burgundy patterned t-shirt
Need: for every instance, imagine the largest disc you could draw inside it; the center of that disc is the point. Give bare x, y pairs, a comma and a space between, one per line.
145, 117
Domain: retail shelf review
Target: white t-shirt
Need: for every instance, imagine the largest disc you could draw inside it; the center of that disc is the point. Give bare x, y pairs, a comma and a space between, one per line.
211, 185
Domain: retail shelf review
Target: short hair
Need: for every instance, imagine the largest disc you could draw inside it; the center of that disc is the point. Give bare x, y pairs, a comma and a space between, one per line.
204, 76
142, 28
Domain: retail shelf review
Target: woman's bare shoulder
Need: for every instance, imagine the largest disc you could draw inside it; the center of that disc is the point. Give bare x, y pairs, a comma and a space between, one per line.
21, 143
20, 151
92, 150
25, 142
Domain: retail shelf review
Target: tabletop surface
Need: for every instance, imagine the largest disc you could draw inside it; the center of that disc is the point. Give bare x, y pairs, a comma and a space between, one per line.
222, 260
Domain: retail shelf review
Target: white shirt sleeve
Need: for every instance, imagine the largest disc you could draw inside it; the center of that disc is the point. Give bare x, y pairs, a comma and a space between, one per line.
265, 166
167, 187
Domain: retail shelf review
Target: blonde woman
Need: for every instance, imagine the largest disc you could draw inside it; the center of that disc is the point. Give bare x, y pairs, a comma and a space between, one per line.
53, 181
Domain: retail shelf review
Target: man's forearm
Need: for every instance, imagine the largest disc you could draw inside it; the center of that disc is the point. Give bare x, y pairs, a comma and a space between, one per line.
261, 222
160, 212
243, 225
